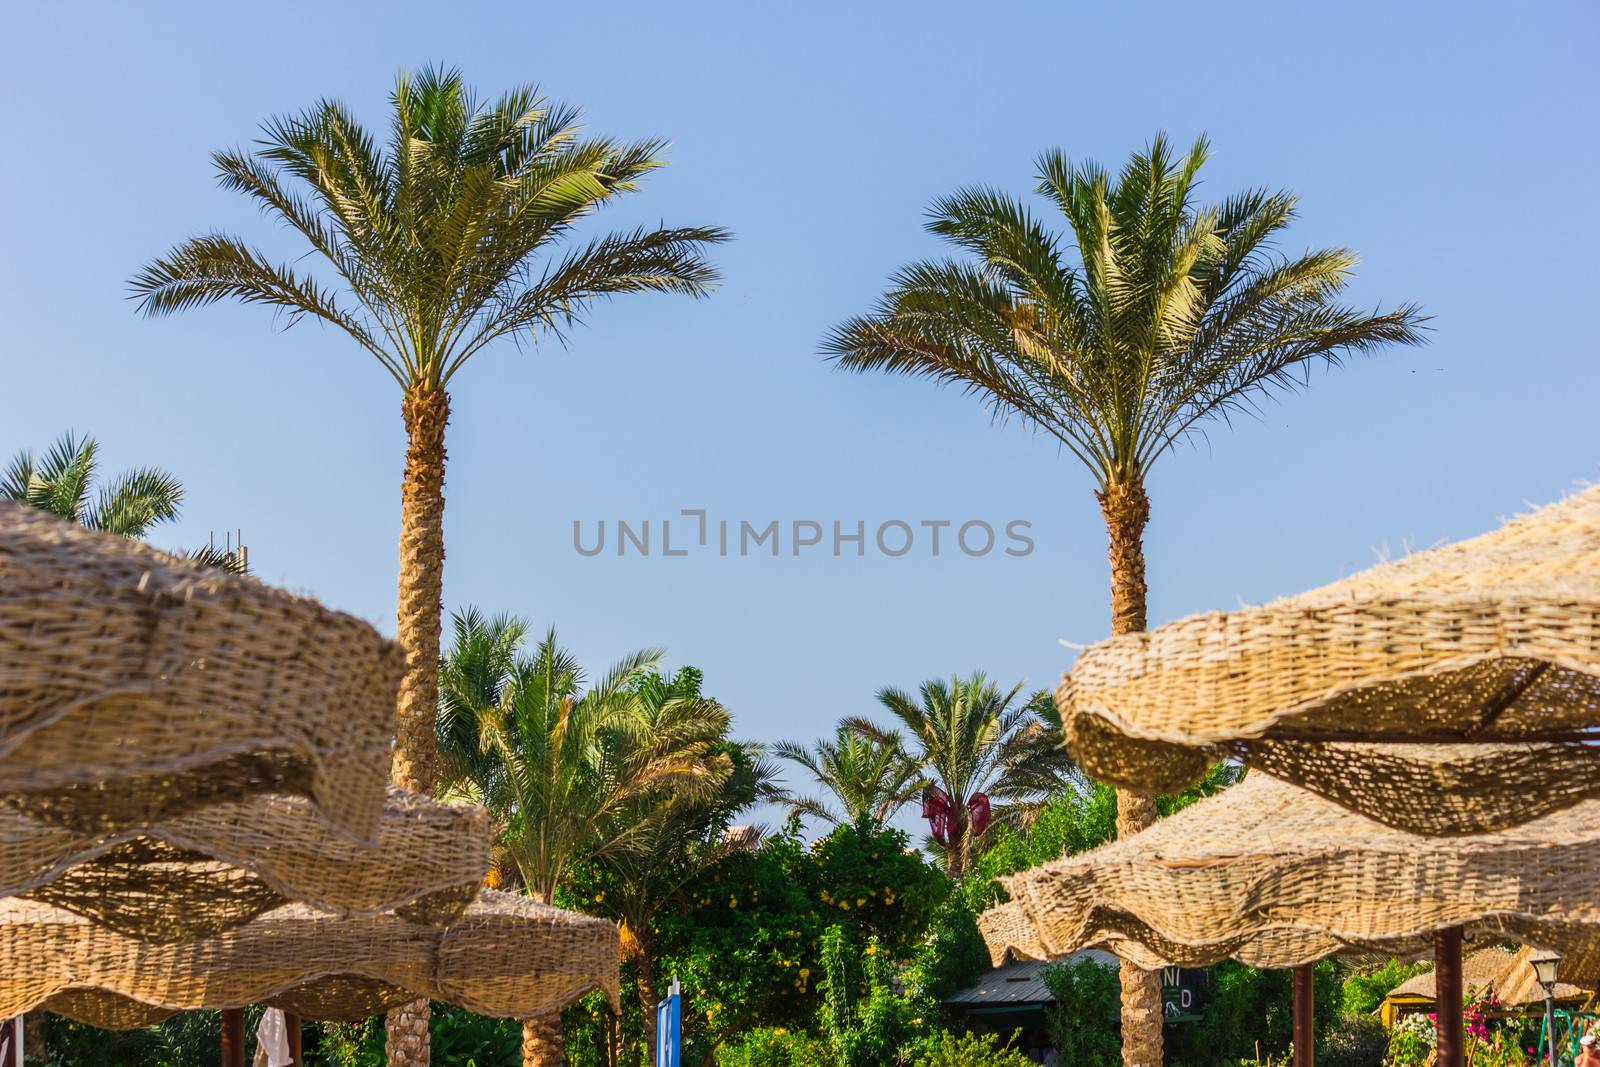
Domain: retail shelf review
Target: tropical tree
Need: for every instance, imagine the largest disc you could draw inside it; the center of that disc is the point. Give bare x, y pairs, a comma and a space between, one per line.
560, 764
867, 776
671, 837
1155, 315
989, 756
62, 483
431, 249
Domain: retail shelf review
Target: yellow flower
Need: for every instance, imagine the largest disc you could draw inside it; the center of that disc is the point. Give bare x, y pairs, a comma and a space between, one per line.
598, 897
733, 902
861, 901
871, 949
805, 972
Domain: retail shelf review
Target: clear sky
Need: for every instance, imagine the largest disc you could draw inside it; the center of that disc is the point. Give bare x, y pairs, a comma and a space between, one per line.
1451, 144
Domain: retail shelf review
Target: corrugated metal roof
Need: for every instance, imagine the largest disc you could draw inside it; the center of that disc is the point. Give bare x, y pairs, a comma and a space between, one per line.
1020, 982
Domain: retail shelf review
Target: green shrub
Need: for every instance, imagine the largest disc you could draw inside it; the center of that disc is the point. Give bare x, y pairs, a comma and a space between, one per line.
1354, 1041
971, 1050
768, 1047
1362, 993
1084, 1023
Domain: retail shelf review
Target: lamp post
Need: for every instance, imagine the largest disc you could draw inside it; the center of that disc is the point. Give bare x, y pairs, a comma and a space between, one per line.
1545, 966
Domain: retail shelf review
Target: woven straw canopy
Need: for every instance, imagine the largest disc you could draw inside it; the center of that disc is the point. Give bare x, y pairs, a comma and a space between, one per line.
1488, 641
506, 956
135, 686
201, 873
1275, 876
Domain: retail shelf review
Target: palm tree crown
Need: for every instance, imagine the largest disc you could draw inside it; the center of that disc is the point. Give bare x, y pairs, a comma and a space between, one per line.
968, 736
62, 483
437, 244
867, 776
1173, 312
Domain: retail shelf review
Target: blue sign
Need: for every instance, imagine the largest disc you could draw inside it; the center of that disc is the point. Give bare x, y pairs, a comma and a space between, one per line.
669, 1029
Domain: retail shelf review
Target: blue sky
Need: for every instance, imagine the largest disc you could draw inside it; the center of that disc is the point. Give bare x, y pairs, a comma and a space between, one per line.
1452, 145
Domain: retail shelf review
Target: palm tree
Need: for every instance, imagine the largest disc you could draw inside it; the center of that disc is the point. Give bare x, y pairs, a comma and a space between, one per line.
435, 247
560, 765
667, 838
1170, 314
966, 737
869, 777
62, 483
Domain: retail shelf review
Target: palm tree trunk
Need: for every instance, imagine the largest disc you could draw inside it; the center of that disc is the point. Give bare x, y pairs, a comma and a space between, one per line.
1126, 508
647, 1002
960, 831
543, 1043
421, 586
405, 1042
426, 412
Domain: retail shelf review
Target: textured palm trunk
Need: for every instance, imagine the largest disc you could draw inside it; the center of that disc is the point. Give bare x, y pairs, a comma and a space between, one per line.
647, 1001
542, 1042
960, 839
1126, 508
35, 1036
426, 413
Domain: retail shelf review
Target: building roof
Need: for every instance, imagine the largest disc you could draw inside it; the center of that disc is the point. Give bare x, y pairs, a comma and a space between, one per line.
1020, 981
1478, 969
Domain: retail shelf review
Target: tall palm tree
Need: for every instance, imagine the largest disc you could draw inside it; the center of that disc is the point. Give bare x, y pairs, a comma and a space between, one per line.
868, 777
967, 737
434, 247
62, 483
431, 249
1154, 315
560, 764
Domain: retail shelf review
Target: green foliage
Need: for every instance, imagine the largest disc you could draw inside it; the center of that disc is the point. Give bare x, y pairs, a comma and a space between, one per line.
61, 483
1412, 1041
435, 245
973, 1050
952, 953
1246, 1009
864, 1022
743, 940
1353, 1041
1362, 993
868, 777
1173, 313
774, 1047
1084, 1023
869, 878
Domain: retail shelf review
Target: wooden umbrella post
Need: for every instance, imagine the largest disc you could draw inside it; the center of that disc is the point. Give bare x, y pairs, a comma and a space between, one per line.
233, 1037
1305, 1012
1447, 997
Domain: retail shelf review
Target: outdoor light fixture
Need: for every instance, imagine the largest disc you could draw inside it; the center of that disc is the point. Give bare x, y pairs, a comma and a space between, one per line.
1545, 967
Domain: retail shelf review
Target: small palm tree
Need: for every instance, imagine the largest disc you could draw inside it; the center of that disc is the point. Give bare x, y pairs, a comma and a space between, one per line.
1171, 313
868, 777
968, 737
561, 765
62, 483
667, 838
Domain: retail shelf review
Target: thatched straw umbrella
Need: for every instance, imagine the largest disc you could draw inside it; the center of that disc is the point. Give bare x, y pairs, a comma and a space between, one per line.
1279, 877
201, 873
507, 956
136, 686
1348, 689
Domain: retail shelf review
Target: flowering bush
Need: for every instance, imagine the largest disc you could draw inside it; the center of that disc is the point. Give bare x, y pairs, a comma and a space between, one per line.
1412, 1039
